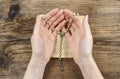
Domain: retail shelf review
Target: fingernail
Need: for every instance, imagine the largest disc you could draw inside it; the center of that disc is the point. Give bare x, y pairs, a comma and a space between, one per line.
87, 17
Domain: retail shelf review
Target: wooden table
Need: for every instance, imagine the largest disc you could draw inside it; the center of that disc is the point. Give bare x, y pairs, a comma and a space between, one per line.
15, 46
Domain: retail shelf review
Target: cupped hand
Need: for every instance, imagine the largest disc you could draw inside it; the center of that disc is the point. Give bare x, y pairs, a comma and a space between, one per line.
43, 38
79, 38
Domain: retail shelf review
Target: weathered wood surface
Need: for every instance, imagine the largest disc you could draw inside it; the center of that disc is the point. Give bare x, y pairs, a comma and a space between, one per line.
15, 46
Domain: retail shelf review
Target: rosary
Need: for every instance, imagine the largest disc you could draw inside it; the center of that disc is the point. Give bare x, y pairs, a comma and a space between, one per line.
60, 36
60, 40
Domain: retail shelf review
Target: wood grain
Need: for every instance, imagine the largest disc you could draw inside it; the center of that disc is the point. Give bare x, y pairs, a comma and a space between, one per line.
15, 46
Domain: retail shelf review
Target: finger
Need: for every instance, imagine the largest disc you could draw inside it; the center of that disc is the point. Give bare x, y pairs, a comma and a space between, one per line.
77, 21
47, 26
67, 34
50, 14
74, 26
57, 21
38, 25
59, 27
86, 25
76, 18
55, 17
72, 30
68, 13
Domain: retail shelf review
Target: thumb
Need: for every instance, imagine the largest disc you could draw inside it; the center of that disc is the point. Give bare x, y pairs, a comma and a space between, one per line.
86, 25
37, 25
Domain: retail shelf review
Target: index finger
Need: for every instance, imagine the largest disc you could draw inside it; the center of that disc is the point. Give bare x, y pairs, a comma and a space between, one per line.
68, 13
50, 14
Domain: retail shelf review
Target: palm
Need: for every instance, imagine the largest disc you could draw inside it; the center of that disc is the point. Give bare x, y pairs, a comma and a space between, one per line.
49, 41
86, 45
43, 42
80, 42
43, 38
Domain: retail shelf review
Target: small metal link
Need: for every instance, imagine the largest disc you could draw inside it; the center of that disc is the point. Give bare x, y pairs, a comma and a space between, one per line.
60, 52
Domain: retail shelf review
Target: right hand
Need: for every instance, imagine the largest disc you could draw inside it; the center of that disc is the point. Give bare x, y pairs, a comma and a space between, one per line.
43, 39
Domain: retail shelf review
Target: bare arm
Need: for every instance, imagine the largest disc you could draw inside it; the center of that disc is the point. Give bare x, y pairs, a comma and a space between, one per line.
43, 43
89, 68
35, 69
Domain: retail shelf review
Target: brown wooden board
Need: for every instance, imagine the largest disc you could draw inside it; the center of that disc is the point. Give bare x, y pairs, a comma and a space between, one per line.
15, 46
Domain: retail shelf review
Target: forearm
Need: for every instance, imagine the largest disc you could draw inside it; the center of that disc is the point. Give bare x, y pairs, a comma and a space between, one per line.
35, 69
89, 68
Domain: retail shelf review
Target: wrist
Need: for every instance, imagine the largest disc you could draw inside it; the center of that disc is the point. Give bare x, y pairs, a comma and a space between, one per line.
38, 59
85, 60
35, 68
89, 68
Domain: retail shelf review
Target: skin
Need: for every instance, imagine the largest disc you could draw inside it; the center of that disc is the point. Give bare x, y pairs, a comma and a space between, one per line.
79, 39
80, 42
43, 40
43, 43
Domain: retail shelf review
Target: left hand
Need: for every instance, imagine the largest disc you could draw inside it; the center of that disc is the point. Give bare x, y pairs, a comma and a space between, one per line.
79, 38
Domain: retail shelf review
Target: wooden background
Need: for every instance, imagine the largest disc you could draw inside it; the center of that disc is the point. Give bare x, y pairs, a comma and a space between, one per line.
15, 46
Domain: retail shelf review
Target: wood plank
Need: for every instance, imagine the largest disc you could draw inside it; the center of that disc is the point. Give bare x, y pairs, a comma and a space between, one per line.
15, 46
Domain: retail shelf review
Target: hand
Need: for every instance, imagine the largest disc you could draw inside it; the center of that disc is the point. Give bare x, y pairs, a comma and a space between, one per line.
43, 39
80, 40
